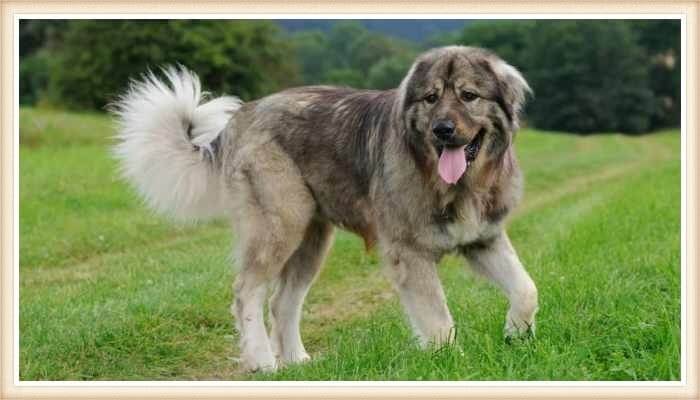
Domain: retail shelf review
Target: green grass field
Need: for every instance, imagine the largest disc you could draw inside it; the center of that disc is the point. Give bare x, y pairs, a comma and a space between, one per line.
109, 291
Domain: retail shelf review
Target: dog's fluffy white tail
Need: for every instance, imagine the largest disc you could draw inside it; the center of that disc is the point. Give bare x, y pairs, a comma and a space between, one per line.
168, 143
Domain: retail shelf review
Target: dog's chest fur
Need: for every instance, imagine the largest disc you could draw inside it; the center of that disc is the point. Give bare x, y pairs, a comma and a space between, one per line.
464, 222
466, 230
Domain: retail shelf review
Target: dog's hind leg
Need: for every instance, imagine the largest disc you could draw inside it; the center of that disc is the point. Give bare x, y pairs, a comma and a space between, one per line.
415, 278
293, 284
497, 260
274, 208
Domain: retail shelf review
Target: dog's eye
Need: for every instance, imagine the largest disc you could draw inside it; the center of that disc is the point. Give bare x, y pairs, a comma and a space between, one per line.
431, 98
468, 96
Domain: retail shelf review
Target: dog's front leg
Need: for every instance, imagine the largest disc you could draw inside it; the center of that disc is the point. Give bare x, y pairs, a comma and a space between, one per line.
496, 259
415, 278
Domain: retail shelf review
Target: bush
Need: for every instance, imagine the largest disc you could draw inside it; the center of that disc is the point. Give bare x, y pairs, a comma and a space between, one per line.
588, 77
508, 39
34, 77
312, 52
97, 58
36, 34
350, 55
662, 42
344, 77
387, 73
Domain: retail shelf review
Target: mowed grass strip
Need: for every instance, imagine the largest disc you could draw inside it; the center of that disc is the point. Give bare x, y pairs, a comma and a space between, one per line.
109, 291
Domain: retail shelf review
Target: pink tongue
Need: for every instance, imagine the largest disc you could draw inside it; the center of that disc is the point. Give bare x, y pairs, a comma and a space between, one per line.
452, 164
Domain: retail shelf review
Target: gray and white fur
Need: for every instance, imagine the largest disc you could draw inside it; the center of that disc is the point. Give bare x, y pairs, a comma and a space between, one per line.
293, 165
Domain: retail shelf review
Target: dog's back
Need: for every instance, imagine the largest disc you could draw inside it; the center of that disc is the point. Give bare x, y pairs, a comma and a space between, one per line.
335, 138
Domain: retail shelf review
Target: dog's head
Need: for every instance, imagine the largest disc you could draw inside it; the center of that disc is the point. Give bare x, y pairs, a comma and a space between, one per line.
460, 108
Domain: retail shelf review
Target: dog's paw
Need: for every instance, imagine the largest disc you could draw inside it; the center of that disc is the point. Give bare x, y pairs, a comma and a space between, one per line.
296, 357
258, 367
259, 363
518, 329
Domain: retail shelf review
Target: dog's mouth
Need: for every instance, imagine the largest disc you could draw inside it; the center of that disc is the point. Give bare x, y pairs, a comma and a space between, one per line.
472, 149
456, 159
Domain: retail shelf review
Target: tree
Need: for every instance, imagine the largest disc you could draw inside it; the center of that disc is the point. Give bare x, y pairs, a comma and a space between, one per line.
387, 73
588, 76
591, 75
36, 40
35, 34
508, 39
350, 55
98, 57
661, 40
312, 51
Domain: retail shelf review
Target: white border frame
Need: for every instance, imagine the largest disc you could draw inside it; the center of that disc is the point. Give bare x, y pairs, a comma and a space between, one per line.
349, 384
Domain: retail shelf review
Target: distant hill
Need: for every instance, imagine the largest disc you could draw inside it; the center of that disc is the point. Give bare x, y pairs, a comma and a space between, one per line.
417, 30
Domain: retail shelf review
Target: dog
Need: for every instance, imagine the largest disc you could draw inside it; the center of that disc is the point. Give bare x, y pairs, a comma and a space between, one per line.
419, 171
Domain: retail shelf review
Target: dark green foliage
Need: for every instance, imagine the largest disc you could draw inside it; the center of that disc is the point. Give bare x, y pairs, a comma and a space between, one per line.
35, 34
344, 77
662, 43
408, 29
97, 58
508, 39
587, 76
591, 76
351, 55
34, 77
37, 39
312, 54
388, 72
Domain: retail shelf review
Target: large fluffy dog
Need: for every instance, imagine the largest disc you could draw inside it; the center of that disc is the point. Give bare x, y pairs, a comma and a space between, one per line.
421, 171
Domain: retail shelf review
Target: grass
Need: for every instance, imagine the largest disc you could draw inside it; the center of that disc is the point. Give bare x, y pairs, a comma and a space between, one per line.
109, 291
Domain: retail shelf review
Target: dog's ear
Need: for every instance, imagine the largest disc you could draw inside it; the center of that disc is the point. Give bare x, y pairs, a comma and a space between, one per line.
512, 87
409, 88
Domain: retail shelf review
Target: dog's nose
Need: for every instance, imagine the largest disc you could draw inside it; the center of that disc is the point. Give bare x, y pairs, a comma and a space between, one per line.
444, 129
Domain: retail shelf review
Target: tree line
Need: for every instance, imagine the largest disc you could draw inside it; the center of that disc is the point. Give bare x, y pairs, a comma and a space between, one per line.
587, 76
